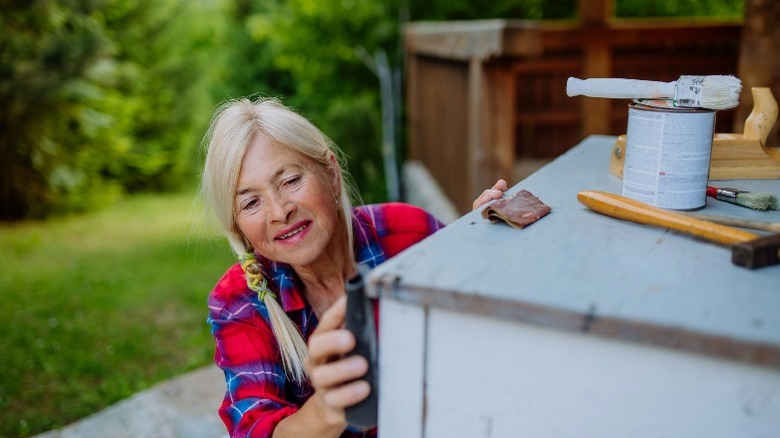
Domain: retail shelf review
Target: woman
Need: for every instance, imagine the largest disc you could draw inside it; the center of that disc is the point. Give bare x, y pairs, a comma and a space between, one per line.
275, 183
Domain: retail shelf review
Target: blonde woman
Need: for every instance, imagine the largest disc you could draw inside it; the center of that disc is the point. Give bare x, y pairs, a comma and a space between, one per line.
276, 185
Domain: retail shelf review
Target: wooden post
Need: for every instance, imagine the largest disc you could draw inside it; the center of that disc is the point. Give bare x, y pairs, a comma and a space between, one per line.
759, 63
476, 150
597, 63
595, 12
596, 112
498, 123
455, 95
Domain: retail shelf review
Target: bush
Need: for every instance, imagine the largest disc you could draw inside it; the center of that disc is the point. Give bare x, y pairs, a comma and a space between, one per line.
99, 98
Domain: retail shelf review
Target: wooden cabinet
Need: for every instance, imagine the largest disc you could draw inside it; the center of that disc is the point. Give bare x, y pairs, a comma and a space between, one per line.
578, 325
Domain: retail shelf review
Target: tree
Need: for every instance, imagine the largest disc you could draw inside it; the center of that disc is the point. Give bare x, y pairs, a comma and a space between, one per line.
99, 97
47, 52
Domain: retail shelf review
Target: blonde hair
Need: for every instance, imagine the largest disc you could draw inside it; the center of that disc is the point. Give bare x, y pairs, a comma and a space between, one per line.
234, 126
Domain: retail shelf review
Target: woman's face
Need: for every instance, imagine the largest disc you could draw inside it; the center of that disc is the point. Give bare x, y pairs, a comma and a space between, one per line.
285, 202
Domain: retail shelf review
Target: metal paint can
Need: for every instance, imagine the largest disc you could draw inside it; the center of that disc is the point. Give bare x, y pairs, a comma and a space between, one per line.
668, 152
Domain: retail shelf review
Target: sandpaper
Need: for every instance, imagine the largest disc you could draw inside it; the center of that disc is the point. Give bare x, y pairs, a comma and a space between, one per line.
518, 211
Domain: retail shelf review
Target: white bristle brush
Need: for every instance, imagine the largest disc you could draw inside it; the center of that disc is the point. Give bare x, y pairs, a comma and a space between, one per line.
712, 92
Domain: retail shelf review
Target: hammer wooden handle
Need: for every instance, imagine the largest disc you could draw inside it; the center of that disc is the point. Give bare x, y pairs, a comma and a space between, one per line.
628, 209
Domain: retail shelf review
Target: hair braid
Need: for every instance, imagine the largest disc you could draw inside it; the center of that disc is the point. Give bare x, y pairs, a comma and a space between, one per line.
291, 345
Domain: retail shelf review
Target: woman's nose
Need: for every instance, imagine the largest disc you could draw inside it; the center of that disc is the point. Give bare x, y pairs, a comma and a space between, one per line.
280, 208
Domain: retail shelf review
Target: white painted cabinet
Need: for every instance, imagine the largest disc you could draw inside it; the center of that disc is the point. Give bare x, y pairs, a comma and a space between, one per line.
579, 325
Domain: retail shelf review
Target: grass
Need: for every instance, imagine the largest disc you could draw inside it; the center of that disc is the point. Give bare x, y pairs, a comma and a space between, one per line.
99, 307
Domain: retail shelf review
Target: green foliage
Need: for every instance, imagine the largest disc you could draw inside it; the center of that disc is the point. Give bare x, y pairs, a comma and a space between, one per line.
244, 66
313, 47
513, 9
101, 306
159, 89
46, 51
99, 98
680, 8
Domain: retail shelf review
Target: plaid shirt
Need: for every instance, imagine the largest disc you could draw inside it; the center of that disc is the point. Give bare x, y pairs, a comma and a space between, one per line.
259, 395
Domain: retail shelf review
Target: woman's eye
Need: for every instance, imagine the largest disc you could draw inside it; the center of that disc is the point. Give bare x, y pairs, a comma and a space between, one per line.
293, 181
250, 204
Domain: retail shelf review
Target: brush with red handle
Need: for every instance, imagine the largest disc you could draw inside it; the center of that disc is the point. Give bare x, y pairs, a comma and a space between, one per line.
756, 201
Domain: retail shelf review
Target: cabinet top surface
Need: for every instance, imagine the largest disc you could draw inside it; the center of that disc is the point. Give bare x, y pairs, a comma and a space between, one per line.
582, 266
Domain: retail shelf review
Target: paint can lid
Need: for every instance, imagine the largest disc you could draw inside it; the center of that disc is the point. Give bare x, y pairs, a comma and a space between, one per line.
665, 104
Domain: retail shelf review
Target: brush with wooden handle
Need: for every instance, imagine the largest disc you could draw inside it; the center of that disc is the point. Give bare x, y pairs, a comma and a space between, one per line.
756, 201
712, 92
748, 250
736, 222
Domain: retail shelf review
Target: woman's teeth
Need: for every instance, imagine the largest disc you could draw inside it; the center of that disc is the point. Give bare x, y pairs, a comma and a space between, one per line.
293, 232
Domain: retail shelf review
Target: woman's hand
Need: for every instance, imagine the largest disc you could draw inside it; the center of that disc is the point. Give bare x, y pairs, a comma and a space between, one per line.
332, 376
495, 192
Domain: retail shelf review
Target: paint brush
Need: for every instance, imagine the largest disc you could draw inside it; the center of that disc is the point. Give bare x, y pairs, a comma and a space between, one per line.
712, 92
736, 222
754, 200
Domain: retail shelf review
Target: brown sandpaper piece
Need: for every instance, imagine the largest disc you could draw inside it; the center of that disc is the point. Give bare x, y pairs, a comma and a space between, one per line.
518, 211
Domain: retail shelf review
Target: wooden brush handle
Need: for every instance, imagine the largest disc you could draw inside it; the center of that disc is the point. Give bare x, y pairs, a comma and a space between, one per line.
619, 88
628, 209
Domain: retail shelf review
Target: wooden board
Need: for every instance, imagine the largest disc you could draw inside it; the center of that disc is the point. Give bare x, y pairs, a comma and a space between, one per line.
493, 378
732, 158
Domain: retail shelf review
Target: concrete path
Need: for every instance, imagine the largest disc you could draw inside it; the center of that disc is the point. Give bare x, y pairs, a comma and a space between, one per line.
185, 406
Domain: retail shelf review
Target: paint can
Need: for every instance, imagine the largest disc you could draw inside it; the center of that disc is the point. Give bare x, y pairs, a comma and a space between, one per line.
668, 152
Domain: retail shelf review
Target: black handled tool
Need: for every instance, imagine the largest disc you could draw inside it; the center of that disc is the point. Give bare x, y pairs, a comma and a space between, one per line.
360, 321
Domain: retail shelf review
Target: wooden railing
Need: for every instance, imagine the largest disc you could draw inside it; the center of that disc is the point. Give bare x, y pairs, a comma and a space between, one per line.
487, 99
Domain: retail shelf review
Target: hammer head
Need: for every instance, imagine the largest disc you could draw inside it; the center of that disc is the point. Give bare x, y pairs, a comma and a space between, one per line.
763, 251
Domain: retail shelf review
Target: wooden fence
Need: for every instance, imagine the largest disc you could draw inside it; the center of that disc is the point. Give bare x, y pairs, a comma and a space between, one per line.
487, 99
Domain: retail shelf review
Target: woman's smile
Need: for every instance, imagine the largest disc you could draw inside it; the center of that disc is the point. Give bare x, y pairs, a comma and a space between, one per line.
294, 234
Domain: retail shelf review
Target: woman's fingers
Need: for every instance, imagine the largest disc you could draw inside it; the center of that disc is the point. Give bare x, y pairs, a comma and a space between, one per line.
323, 346
495, 192
347, 395
334, 316
500, 185
481, 200
329, 340
333, 376
336, 373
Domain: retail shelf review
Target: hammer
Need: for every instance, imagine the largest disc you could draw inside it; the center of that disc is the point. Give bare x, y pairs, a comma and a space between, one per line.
748, 250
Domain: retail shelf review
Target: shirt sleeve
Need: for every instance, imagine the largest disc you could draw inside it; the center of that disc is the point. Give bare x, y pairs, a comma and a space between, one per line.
246, 350
400, 226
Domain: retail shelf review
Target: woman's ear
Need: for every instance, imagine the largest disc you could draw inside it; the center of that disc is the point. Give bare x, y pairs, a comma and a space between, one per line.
334, 173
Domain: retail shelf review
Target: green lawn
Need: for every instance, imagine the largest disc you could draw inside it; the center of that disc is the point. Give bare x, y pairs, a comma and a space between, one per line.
98, 307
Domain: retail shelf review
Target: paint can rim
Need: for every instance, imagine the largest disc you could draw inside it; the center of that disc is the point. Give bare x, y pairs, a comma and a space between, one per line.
665, 105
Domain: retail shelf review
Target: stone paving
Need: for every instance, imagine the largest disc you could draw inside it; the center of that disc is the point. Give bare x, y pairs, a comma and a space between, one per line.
185, 406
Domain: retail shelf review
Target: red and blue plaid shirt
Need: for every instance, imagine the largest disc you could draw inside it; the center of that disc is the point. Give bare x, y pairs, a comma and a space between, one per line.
259, 394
